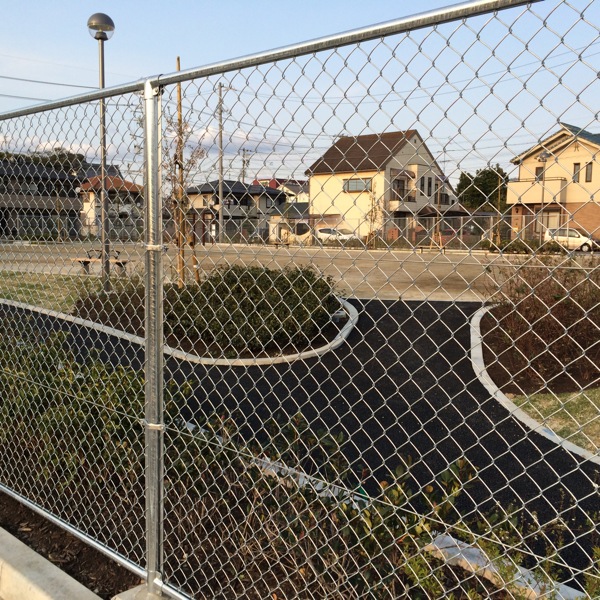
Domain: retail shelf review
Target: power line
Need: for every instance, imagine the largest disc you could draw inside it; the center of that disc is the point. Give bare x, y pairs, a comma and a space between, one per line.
70, 85
25, 98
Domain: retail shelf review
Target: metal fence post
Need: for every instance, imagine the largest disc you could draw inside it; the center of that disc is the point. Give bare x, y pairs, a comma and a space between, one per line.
154, 347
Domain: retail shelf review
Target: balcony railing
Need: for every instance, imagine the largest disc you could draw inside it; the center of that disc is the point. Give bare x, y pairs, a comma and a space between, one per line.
537, 191
398, 200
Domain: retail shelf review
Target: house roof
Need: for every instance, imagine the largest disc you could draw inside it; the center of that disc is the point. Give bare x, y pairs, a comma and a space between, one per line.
558, 139
112, 184
594, 138
361, 153
234, 188
27, 168
277, 182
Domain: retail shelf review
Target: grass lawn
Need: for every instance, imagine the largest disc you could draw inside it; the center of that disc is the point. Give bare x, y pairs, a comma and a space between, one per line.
54, 292
573, 416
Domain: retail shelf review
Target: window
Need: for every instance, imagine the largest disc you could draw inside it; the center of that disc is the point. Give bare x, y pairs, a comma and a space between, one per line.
301, 229
422, 186
357, 185
398, 189
539, 173
576, 169
588, 172
429, 186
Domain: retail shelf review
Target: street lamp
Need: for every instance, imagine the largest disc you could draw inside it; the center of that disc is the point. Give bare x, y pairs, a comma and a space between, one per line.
543, 158
101, 28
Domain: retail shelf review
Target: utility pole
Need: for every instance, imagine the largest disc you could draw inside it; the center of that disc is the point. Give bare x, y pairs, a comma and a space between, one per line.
220, 111
245, 164
499, 209
220, 117
180, 216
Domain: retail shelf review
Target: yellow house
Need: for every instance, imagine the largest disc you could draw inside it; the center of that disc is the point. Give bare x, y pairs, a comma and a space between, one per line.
372, 184
557, 185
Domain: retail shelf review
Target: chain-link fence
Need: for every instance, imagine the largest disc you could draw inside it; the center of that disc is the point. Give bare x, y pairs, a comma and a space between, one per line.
321, 322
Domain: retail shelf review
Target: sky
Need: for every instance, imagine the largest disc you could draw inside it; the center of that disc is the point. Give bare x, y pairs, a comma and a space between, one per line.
478, 92
49, 41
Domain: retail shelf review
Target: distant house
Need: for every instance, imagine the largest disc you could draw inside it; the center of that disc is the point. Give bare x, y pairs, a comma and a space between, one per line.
558, 184
37, 200
40, 197
290, 223
246, 208
374, 183
125, 204
296, 190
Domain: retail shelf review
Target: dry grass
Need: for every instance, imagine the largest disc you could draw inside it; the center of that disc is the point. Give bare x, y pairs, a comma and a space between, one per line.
573, 416
54, 292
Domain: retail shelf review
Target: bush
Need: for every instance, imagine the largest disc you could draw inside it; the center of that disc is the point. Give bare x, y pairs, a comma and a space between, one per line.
252, 309
234, 311
548, 322
76, 431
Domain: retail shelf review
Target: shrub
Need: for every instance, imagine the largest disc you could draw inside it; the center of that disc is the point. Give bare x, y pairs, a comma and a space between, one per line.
234, 311
228, 513
252, 309
548, 322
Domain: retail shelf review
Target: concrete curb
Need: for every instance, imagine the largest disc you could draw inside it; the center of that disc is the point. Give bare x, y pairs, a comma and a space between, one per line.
181, 355
511, 407
25, 575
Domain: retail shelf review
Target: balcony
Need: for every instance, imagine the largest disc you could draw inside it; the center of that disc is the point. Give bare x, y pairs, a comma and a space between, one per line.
537, 191
397, 201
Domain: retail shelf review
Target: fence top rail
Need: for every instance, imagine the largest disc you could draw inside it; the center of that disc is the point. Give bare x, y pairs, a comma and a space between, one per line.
381, 30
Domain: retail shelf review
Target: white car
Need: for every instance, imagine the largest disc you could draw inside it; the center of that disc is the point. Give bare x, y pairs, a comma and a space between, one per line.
328, 235
572, 239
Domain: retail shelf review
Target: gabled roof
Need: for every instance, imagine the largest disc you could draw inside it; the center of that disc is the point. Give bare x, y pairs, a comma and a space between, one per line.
28, 168
361, 153
234, 188
556, 141
112, 184
594, 138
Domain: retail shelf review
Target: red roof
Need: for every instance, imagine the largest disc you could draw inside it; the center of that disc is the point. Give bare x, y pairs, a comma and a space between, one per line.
112, 184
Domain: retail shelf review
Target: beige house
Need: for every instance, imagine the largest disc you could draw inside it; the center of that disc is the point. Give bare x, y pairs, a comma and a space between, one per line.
125, 207
376, 184
558, 184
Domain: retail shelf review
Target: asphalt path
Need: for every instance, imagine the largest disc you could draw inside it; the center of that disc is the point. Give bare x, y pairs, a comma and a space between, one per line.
403, 385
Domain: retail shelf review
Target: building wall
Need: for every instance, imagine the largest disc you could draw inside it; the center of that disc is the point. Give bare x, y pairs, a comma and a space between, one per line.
358, 211
365, 212
565, 200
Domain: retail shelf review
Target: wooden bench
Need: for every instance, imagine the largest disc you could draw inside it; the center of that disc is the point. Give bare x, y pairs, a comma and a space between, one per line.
430, 247
85, 262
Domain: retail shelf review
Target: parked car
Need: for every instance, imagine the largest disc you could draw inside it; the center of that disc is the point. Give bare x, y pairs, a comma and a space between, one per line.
572, 239
328, 235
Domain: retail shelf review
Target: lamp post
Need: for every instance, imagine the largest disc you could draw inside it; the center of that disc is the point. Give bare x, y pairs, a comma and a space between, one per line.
101, 28
543, 158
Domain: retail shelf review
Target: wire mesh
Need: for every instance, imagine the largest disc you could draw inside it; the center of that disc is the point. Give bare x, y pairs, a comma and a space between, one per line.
381, 305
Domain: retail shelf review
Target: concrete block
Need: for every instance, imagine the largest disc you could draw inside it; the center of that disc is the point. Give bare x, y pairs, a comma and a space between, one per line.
25, 575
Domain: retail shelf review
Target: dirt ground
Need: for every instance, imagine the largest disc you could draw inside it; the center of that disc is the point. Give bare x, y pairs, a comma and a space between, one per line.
85, 564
